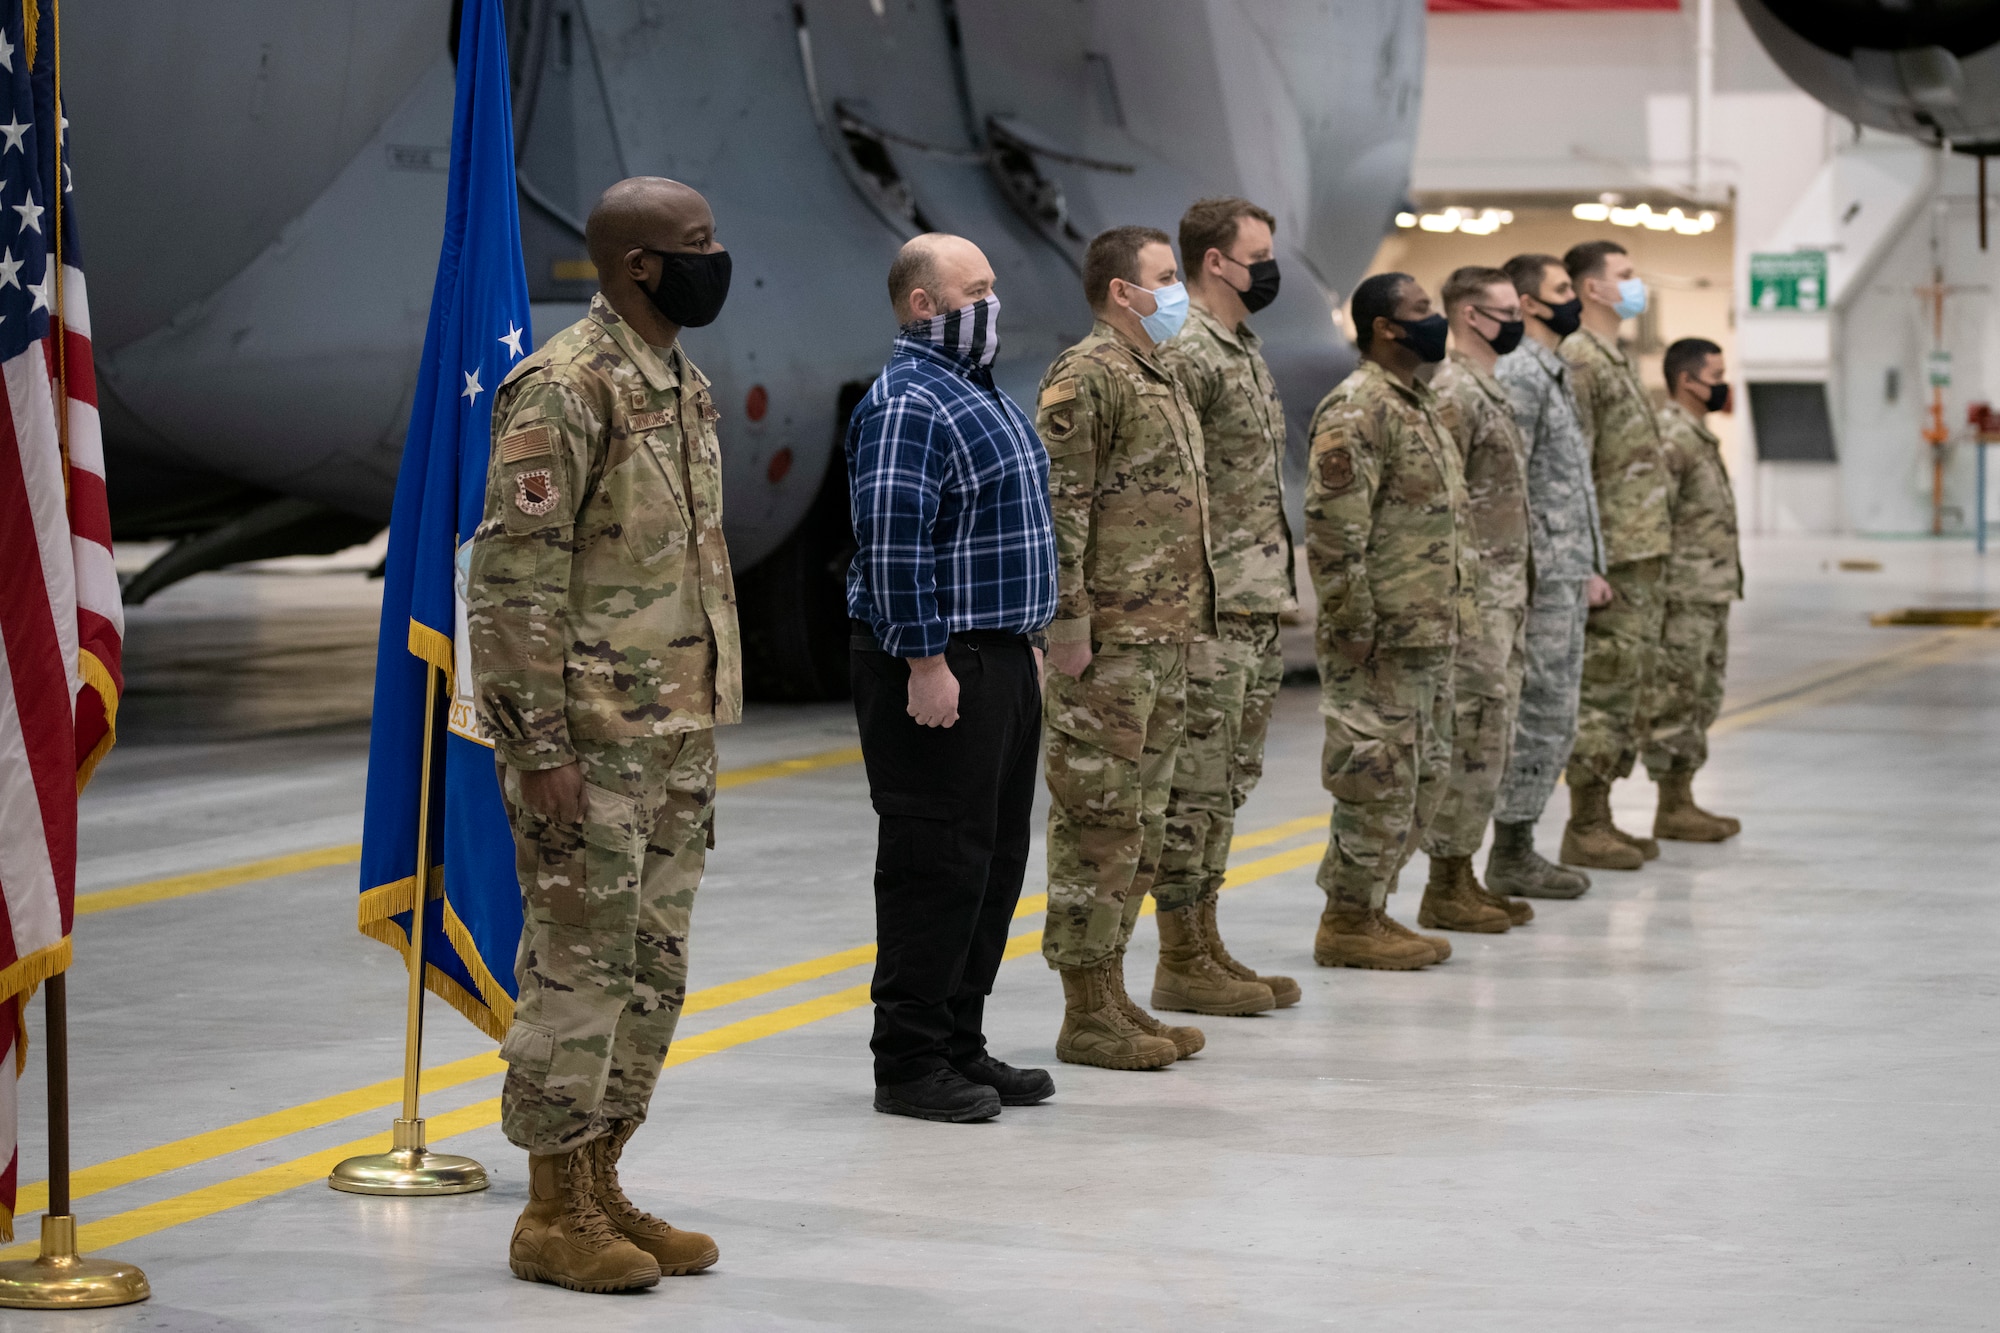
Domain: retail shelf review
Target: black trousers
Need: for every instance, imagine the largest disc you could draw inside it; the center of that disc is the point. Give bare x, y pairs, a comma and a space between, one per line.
954, 805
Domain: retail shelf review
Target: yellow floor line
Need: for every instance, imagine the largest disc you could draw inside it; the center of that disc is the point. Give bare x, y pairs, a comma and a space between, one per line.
1933, 650
202, 881
180, 886
262, 1184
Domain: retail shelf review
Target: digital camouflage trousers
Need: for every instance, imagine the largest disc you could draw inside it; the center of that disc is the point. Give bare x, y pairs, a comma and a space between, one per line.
1387, 755
1687, 695
604, 939
1486, 693
1621, 652
1108, 744
1545, 721
1232, 685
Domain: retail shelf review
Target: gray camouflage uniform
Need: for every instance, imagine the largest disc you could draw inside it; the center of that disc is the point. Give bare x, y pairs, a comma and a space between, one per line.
602, 622
1568, 547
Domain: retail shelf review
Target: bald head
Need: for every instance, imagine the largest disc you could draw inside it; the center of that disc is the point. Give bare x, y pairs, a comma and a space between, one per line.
646, 213
937, 272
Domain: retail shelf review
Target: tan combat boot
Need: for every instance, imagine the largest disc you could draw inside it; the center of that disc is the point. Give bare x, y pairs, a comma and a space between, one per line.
1589, 840
1283, 989
1439, 944
1679, 818
1189, 981
674, 1250
564, 1237
1363, 937
1186, 1040
1450, 902
1519, 913
1096, 1031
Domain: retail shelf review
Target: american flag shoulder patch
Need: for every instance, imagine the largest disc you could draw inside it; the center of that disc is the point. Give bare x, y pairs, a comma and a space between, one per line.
534, 442
1060, 392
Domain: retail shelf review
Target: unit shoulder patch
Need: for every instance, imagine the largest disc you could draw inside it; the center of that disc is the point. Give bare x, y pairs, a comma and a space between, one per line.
534, 442
535, 491
1060, 392
1336, 468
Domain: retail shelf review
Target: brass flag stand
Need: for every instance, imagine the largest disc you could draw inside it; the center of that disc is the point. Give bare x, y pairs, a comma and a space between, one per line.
59, 1278
409, 1167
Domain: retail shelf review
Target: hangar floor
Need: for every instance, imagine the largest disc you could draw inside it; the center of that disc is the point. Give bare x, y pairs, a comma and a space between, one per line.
1750, 1087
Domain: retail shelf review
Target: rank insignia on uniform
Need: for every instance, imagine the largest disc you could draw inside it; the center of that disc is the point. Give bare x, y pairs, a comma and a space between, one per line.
709, 411
1059, 393
534, 442
535, 491
1336, 468
652, 420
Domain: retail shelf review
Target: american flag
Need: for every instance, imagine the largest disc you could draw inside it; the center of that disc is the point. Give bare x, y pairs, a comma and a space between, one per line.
60, 622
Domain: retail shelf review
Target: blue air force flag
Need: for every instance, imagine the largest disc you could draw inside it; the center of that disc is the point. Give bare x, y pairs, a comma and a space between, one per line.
478, 331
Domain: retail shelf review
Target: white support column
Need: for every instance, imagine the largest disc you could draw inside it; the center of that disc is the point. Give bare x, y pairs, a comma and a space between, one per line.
1704, 96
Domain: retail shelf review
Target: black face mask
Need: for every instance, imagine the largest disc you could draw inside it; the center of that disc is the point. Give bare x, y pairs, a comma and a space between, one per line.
1509, 336
1718, 396
1263, 287
1566, 318
1426, 336
691, 288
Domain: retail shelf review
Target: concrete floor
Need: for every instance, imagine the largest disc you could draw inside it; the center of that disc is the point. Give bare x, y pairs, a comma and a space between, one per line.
1751, 1087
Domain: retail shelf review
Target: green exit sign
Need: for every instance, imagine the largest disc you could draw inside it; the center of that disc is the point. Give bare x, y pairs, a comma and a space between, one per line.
1795, 280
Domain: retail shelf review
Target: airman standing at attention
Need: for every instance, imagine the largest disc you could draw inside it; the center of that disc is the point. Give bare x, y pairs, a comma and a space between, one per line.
1622, 639
1134, 588
1485, 317
602, 621
1704, 575
1389, 541
1233, 678
1568, 553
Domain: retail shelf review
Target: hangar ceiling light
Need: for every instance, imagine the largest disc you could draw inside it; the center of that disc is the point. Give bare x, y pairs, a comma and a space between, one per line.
1643, 215
1481, 222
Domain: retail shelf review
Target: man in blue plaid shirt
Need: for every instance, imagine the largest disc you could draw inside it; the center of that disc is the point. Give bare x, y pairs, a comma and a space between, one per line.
952, 585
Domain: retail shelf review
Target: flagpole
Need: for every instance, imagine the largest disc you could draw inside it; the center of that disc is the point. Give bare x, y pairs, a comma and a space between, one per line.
410, 1168
60, 1278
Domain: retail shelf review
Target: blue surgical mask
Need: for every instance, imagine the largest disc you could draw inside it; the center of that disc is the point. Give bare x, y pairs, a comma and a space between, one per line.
1169, 313
1631, 298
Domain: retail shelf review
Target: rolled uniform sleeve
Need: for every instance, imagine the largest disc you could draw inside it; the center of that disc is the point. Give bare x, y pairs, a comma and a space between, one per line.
518, 584
900, 451
1342, 475
1076, 418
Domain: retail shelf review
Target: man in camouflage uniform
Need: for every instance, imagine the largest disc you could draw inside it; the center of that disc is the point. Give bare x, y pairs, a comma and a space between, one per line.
1388, 539
602, 621
1233, 678
1622, 639
1134, 589
1485, 318
1567, 548
1704, 575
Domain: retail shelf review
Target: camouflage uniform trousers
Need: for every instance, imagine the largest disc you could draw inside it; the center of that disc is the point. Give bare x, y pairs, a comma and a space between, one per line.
1545, 723
1687, 696
1109, 742
1387, 755
604, 940
1621, 649
1232, 684
1486, 689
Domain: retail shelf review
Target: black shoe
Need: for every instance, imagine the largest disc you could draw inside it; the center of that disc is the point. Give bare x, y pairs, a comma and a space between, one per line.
942, 1094
1017, 1087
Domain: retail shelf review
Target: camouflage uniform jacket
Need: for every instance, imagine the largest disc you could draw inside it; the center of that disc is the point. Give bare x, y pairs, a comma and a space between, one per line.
1128, 497
1480, 417
1243, 450
1631, 475
1706, 564
1387, 528
1563, 530
599, 601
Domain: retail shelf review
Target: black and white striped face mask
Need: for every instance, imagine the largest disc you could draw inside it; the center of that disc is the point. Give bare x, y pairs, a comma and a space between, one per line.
971, 331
